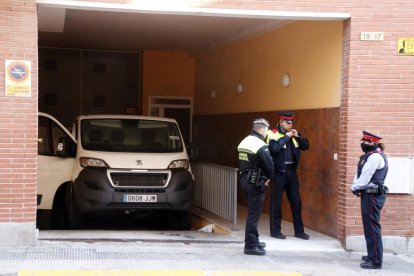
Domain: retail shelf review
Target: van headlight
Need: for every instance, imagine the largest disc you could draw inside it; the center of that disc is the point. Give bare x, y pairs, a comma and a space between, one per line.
181, 163
92, 162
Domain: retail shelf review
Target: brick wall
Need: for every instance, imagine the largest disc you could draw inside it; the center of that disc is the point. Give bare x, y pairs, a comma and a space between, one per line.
378, 93
18, 115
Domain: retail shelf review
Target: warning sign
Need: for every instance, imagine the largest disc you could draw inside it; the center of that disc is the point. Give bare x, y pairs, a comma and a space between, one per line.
406, 46
18, 78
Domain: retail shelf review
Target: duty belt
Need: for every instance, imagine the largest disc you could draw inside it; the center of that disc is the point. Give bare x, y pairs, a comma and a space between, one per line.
290, 166
371, 191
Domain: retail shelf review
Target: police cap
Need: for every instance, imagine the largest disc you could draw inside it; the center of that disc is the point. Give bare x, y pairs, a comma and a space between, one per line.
371, 137
285, 115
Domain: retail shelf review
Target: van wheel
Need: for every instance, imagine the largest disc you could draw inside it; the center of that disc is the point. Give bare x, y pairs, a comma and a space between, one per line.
58, 216
181, 220
43, 219
73, 216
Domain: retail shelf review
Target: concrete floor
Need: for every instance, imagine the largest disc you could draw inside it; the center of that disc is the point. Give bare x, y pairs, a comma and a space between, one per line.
317, 242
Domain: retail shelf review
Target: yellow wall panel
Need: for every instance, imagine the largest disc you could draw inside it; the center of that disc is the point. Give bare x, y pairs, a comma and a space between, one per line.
310, 51
166, 74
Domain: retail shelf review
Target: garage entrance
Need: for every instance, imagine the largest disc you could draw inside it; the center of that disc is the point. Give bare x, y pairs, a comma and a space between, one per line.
171, 46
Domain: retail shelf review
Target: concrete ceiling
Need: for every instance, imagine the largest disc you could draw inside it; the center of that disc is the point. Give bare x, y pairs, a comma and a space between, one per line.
129, 31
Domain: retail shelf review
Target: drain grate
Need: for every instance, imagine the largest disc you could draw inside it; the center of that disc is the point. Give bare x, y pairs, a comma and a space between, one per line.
91, 240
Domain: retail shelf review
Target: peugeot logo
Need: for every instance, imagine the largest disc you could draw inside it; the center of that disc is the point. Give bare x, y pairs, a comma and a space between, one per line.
139, 162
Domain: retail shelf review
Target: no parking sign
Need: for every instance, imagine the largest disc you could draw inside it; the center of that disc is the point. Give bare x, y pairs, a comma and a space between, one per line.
18, 78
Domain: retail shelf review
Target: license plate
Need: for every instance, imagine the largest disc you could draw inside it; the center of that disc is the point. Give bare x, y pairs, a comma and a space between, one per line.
140, 198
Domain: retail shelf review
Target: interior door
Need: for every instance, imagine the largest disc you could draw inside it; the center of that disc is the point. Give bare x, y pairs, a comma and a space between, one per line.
183, 118
178, 108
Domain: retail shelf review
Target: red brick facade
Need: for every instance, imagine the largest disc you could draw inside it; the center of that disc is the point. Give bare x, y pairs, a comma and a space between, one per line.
377, 94
18, 115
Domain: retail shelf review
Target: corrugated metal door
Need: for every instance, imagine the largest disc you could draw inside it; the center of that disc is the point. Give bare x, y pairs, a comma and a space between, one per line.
74, 82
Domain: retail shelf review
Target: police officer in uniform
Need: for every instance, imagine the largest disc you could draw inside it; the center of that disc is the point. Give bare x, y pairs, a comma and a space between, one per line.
369, 185
285, 145
256, 168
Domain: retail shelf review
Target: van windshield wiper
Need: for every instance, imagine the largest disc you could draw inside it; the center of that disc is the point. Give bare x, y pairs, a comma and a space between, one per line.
94, 146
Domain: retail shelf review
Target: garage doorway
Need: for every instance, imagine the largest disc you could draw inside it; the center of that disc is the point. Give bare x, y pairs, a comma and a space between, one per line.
131, 27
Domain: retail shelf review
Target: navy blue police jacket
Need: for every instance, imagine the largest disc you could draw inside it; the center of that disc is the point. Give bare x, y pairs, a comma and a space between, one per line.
278, 150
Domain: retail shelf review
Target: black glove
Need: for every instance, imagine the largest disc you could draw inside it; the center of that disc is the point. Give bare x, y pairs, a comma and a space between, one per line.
356, 192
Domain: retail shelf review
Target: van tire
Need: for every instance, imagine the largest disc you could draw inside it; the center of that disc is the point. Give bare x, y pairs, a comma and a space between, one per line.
43, 219
58, 215
58, 218
73, 216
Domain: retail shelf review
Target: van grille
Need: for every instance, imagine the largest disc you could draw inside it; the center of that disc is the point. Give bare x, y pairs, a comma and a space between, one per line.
140, 191
155, 205
120, 179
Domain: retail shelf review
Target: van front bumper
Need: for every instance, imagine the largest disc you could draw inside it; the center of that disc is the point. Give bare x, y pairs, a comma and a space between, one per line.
95, 192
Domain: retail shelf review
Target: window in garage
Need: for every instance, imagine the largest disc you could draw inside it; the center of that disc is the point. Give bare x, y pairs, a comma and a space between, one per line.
74, 82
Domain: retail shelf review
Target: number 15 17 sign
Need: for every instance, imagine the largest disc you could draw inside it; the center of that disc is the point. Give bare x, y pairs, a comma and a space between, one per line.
372, 36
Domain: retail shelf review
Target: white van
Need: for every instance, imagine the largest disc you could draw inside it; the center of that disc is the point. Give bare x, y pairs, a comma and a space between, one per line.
111, 164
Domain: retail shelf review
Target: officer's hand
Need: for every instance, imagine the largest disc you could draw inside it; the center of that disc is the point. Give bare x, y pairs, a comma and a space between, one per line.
356, 192
294, 132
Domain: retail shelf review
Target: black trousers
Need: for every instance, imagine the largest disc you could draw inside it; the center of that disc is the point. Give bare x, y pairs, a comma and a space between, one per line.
255, 201
371, 205
285, 181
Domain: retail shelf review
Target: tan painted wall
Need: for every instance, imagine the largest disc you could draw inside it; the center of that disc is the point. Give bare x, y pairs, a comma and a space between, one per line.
311, 52
166, 74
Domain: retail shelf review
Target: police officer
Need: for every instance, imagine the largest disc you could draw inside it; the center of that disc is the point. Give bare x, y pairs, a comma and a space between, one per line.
256, 168
369, 184
285, 145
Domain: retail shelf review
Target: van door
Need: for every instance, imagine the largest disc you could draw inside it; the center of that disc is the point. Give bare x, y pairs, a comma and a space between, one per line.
52, 171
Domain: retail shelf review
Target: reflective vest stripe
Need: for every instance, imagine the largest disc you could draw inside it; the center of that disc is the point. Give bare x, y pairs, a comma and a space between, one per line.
276, 136
251, 144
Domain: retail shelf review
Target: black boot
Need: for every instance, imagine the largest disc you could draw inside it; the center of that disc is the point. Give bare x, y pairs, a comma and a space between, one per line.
302, 236
370, 265
254, 251
261, 245
278, 235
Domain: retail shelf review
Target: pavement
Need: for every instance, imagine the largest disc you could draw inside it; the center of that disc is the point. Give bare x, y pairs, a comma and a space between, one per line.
181, 253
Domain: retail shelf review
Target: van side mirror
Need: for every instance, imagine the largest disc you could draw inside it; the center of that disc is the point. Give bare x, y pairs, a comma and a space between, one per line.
65, 148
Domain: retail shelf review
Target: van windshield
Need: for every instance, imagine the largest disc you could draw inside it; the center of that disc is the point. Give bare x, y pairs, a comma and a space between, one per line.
130, 135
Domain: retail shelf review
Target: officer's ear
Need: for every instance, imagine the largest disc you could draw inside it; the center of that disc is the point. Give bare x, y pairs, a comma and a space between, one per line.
264, 132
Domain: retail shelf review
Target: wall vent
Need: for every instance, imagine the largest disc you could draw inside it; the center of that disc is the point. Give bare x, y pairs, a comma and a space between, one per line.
50, 64
99, 100
99, 67
50, 99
